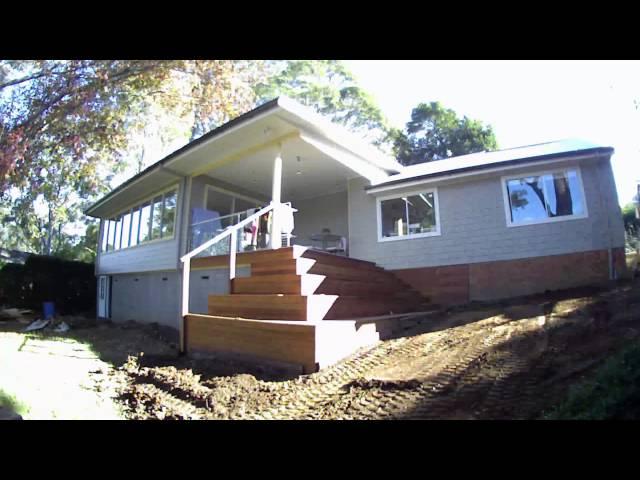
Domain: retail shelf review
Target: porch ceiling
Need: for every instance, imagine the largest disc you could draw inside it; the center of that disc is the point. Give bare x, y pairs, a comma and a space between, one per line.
306, 172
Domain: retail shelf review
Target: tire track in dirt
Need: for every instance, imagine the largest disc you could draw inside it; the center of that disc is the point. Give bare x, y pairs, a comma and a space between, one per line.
499, 366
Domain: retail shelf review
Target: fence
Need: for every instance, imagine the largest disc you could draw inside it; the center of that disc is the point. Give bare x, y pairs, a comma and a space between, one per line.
71, 285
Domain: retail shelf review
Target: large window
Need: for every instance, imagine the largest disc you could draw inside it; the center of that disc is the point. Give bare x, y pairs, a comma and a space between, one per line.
145, 222
544, 197
105, 235
111, 235
151, 220
156, 213
409, 216
168, 214
135, 227
118, 232
126, 230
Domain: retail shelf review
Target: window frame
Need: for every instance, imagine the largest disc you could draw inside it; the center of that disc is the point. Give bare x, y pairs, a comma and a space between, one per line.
104, 234
507, 204
412, 236
137, 206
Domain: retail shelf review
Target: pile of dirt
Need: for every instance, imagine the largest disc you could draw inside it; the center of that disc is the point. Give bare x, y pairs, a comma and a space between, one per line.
190, 397
503, 361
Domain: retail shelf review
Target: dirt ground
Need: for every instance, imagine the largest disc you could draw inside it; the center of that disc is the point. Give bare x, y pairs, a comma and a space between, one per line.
512, 360
48, 375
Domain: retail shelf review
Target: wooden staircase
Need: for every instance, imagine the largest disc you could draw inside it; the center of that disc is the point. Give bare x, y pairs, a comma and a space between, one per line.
300, 284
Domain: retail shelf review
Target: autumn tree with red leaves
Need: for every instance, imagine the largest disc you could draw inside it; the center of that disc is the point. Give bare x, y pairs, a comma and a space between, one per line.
66, 126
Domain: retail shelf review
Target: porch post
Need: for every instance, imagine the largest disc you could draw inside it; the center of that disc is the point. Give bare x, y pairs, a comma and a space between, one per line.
276, 190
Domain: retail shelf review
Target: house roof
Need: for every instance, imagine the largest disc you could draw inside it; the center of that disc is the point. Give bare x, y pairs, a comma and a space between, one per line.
569, 148
279, 109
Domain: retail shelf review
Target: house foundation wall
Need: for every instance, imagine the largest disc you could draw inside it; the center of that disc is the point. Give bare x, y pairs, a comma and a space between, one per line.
484, 281
155, 297
146, 298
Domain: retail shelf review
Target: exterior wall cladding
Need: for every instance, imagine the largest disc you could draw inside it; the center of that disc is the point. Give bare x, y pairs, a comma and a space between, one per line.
147, 283
477, 257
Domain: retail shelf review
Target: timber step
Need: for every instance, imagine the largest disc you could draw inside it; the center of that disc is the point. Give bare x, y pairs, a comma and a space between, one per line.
301, 266
309, 284
301, 307
298, 283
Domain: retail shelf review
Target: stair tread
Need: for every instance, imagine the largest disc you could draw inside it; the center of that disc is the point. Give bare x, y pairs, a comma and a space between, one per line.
298, 283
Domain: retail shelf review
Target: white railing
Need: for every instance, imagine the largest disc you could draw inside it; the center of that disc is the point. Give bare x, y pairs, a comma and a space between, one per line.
232, 232
198, 231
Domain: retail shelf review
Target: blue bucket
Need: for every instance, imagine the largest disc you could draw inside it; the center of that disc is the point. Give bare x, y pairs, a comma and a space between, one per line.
49, 310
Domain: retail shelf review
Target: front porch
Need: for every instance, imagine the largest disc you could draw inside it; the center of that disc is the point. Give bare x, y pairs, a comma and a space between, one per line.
299, 305
290, 172
270, 222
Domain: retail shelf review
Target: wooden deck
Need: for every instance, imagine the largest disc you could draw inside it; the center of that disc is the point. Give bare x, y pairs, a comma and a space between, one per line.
299, 306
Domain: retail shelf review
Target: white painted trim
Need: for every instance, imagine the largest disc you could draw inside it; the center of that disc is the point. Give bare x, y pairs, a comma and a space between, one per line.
185, 206
144, 244
339, 135
117, 273
379, 200
507, 206
365, 169
474, 173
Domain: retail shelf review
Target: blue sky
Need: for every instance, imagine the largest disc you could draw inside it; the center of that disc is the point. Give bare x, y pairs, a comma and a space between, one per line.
525, 102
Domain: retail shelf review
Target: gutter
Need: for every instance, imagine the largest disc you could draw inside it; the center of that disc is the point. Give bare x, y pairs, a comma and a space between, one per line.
492, 167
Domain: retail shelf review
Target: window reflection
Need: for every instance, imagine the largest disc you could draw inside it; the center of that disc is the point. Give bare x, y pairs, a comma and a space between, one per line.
539, 198
409, 215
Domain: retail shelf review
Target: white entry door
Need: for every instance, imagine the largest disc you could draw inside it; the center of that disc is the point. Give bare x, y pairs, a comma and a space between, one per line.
104, 296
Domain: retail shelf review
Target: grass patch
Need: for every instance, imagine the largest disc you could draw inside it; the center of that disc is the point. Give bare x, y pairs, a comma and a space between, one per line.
12, 403
612, 394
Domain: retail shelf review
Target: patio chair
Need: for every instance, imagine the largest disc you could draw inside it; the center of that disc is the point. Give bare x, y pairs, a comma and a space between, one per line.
329, 242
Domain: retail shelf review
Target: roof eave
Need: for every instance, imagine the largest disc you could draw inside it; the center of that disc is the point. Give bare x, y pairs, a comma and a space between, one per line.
592, 152
162, 164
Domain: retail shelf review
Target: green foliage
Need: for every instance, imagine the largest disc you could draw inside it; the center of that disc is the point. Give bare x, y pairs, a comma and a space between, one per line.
81, 247
330, 88
631, 225
64, 125
12, 403
65, 128
435, 133
68, 127
614, 392
70, 284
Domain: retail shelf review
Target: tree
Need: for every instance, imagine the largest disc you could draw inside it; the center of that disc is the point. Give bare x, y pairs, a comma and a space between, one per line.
330, 88
435, 133
631, 225
519, 197
65, 127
